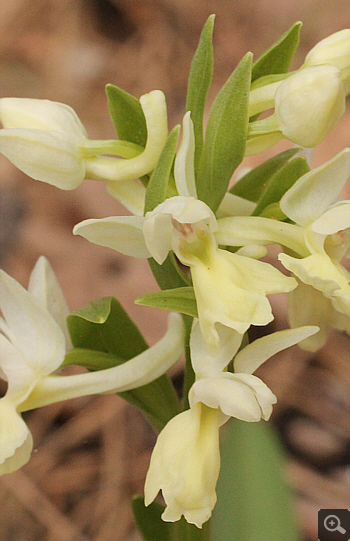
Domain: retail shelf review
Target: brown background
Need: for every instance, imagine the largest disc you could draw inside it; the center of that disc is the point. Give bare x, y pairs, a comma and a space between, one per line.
91, 454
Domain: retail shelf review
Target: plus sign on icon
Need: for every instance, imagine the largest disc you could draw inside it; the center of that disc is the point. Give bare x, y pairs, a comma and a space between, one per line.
334, 525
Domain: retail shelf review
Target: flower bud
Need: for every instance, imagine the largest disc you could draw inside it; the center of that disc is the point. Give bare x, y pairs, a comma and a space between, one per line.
309, 104
43, 139
335, 50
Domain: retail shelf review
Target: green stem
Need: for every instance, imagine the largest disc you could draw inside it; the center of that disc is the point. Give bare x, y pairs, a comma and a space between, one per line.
117, 147
189, 375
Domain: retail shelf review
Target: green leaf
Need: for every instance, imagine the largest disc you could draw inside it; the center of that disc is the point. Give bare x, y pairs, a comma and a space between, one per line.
199, 80
156, 191
91, 359
127, 115
254, 501
149, 522
280, 182
251, 185
95, 311
278, 57
113, 340
116, 334
181, 300
169, 275
226, 135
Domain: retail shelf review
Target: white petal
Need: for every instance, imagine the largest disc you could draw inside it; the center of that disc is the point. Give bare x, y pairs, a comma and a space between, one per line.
45, 289
34, 332
15, 439
136, 372
255, 354
308, 306
184, 161
130, 193
115, 169
185, 465
315, 191
121, 233
40, 115
244, 231
319, 271
48, 156
336, 218
242, 396
233, 205
158, 231
205, 364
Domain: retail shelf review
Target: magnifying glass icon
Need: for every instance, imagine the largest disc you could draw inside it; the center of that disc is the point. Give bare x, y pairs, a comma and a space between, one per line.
332, 524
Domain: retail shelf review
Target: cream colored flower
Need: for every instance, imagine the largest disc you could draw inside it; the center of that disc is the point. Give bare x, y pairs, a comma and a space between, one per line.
230, 288
312, 204
47, 141
185, 462
33, 343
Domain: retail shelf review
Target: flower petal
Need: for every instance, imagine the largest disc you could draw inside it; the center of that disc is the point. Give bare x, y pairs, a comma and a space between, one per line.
320, 272
33, 114
15, 439
232, 290
45, 289
115, 169
184, 161
206, 365
34, 332
316, 310
336, 218
140, 370
315, 191
48, 156
185, 465
130, 193
255, 354
242, 396
121, 233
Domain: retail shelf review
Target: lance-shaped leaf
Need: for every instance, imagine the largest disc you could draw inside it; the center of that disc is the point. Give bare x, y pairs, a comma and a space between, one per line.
149, 522
226, 135
254, 501
181, 299
156, 191
280, 183
278, 57
199, 82
253, 183
104, 326
127, 115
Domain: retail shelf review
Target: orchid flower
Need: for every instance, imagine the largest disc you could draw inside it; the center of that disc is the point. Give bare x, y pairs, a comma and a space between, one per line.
33, 343
230, 288
308, 102
47, 141
185, 462
319, 238
308, 105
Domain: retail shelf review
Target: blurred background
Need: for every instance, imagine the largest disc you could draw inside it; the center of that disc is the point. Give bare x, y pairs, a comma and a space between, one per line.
91, 454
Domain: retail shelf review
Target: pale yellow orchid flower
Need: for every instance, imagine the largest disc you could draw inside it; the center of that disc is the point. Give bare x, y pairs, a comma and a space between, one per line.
185, 462
47, 141
33, 343
230, 288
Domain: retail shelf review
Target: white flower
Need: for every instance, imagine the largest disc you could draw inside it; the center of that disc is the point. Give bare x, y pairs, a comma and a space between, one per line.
309, 104
33, 342
335, 50
312, 204
185, 462
230, 288
47, 141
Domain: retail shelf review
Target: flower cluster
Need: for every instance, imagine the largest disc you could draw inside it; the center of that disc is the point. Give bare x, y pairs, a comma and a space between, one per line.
204, 241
